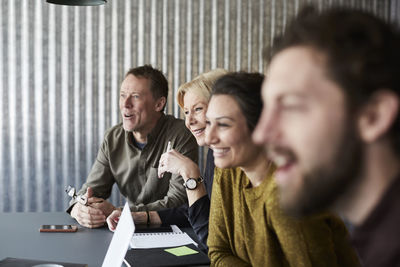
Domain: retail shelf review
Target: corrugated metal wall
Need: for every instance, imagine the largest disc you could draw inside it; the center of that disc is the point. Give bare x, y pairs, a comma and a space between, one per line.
61, 67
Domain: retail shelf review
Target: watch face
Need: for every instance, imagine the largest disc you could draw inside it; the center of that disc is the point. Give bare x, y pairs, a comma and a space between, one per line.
191, 183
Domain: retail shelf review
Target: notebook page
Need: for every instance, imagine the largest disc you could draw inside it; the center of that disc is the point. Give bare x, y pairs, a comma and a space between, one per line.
175, 230
159, 240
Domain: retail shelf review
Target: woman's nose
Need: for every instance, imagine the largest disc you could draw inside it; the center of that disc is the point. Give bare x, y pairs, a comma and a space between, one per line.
210, 135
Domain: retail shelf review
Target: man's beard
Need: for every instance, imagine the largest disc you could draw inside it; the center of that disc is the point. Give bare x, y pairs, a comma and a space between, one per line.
324, 185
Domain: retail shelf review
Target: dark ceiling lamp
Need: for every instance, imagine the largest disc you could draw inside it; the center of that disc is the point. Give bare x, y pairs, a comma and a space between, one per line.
78, 2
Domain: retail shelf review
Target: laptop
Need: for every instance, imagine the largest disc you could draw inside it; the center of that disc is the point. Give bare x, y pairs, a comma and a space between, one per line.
118, 252
120, 241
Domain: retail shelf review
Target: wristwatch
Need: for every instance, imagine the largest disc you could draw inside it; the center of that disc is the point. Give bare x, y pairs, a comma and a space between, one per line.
192, 183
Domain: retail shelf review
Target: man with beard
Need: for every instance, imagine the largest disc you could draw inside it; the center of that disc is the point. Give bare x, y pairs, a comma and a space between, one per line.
331, 124
130, 153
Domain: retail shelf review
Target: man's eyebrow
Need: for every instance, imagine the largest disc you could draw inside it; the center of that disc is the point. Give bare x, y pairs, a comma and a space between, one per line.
299, 95
127, 91
294, 93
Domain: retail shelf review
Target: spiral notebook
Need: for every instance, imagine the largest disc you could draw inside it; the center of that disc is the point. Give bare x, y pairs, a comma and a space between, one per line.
153, 239
161, 257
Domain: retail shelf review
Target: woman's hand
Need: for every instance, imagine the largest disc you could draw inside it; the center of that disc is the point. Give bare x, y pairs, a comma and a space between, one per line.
176, 163
113, 219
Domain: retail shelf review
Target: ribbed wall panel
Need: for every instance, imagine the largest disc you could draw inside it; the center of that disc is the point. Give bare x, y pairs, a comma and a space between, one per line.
61, 68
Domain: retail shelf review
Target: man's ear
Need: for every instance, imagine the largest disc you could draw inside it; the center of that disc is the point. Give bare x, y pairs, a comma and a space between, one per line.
378, 115
160, 103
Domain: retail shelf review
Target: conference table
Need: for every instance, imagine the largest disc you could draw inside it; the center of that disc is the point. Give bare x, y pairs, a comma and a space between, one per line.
20, 238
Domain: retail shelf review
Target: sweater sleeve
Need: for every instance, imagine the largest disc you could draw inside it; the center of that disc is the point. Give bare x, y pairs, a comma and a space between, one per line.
177, 216
220, 252
199, 212
100, 178
199, 217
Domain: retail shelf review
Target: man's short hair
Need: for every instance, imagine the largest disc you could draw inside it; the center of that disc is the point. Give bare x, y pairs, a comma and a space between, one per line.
362, 52
159, 84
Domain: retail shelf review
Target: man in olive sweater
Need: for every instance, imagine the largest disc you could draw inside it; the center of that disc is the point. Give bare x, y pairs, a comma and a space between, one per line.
130, 153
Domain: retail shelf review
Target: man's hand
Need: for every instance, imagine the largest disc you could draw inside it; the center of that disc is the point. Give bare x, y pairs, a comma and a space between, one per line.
98, 203
92, 215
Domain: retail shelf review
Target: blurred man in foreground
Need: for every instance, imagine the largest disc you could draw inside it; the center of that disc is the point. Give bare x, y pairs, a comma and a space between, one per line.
331, 124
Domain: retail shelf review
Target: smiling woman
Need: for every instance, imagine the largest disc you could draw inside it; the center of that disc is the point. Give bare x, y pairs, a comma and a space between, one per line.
247, 225
193, 98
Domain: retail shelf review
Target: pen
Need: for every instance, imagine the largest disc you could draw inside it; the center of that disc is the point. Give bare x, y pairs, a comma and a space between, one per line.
71, 191
169, 146
168, 149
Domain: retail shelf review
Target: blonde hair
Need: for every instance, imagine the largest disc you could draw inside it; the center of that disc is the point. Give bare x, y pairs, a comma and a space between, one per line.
202, 84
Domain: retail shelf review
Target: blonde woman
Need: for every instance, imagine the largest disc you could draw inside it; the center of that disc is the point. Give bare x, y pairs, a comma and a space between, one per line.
193, 98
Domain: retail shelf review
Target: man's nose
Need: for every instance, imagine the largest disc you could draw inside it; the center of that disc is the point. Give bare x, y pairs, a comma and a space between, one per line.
266, 129
127, 102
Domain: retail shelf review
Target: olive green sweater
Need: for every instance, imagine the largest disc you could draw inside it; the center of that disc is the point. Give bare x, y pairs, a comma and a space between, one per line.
248, 228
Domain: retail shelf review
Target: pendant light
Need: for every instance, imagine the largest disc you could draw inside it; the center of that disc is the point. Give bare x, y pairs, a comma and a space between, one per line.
77, 2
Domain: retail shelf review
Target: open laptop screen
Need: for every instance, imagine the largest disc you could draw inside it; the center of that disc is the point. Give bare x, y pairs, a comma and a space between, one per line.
120, 240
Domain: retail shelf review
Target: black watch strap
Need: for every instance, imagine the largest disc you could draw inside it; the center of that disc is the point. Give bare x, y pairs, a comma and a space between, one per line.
199, 179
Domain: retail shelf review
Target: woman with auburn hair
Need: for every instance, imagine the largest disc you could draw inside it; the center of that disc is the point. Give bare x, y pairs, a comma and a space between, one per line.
247, 226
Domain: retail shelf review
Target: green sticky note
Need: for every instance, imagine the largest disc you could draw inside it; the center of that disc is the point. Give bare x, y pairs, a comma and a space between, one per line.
181, 251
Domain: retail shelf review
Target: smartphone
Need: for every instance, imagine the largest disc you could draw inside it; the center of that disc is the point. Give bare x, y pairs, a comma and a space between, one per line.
58, 228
